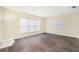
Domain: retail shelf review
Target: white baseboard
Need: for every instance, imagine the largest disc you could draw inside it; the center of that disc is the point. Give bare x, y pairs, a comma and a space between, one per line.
63, 35
6, 44
21, 36
10, 42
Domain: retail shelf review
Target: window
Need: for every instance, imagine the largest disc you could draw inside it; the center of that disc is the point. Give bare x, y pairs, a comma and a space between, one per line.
31, 25
24, 25
57, 24
34, 25
27, 25
37, 25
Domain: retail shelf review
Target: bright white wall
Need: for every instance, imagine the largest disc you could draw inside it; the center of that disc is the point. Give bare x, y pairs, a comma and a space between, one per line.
70, 28
0, 25
44, 11
11, 26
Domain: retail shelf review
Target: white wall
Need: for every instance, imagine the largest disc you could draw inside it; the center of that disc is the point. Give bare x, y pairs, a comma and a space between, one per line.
0, 26
70, 28
11, 27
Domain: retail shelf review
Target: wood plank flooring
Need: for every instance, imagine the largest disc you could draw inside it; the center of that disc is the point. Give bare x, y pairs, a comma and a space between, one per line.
44, 43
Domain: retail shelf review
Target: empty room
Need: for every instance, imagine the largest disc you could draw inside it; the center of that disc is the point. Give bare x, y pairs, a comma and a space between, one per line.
39, 29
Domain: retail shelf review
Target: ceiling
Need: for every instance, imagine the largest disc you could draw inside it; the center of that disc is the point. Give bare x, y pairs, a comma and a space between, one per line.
44, 11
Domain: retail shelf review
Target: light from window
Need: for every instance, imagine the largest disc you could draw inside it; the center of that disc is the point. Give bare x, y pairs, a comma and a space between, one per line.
37, 26
24, 25
29, 25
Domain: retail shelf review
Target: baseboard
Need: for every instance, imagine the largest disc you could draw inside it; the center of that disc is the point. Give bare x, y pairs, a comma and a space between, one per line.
6, 43
21, 36
11, 41
63, 35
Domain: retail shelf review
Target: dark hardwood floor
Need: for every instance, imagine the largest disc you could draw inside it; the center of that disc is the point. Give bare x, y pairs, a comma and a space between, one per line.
44, 43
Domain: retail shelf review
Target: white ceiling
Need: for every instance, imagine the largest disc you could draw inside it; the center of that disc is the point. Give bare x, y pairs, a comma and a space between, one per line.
44, 11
